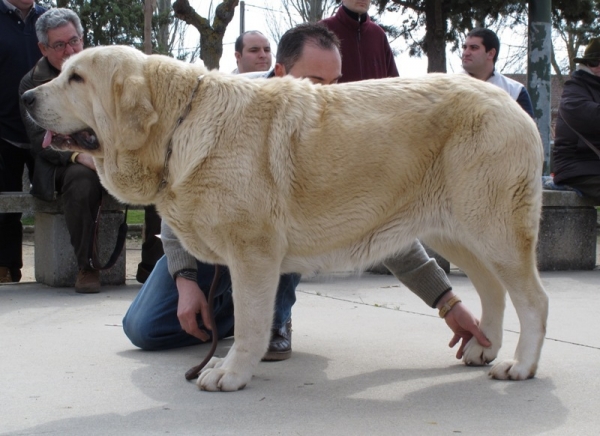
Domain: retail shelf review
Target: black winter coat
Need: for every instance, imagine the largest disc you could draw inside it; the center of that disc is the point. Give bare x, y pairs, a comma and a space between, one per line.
46, 160
580, 109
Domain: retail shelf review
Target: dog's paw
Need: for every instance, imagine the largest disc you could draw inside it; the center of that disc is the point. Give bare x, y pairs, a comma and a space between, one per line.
512, 370
476, 355
214, 362
221, 379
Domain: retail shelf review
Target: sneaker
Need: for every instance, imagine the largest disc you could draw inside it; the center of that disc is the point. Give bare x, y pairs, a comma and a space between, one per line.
5, 276
280, 346
88, 281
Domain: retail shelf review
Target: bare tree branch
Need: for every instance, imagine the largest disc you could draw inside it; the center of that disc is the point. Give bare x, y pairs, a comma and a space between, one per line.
211, 36
295, 12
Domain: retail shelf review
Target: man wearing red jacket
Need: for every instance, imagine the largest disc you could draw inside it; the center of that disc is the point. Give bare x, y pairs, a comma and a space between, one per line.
366, 52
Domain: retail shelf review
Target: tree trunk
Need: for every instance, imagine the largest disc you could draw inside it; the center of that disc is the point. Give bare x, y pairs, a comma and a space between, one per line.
435, 32
162, 37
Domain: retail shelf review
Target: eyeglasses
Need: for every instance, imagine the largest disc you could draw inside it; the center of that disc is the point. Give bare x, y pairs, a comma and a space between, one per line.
60, 45
592, 64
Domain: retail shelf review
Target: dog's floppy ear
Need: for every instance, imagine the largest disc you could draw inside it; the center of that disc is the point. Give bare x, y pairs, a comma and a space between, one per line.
134, 108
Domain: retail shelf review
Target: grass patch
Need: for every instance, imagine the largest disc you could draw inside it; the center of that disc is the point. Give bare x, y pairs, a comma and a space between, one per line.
29, 221
135, 216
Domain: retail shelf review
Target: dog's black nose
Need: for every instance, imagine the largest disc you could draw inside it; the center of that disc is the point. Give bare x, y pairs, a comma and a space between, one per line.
28, 98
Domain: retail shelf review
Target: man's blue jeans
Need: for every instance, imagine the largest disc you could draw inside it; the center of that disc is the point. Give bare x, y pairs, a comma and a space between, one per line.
151, 322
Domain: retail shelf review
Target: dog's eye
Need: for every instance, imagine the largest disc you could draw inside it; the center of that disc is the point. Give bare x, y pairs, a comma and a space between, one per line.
74, 77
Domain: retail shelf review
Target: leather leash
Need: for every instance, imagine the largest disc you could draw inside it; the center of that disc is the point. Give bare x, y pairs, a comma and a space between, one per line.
121, 236
194, 372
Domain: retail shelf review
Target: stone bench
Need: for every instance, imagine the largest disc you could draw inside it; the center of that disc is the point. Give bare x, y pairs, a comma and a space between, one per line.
55, 263
568, 232
567, 238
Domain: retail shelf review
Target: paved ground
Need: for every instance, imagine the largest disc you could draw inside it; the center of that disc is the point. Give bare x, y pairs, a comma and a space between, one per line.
369, 358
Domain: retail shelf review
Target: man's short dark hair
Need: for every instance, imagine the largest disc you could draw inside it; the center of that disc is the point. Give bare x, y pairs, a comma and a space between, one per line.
489, 38
293, 41
239, 42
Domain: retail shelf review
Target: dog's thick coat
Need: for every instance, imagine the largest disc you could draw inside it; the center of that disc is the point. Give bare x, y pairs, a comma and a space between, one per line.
280, 175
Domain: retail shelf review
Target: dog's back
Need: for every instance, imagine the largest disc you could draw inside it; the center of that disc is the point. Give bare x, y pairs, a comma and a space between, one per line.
383, 161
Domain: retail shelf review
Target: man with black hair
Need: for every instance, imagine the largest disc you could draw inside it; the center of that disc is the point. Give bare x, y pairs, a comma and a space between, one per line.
480, 53
252, 52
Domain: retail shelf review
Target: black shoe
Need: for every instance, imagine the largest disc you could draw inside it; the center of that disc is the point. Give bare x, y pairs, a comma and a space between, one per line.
280, 346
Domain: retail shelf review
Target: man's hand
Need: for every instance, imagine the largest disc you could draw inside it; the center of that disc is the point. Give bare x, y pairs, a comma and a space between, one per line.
86, 160
192, 302
464, 325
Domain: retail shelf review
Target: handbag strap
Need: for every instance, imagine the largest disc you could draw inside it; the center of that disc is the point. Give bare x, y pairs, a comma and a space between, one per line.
586, 142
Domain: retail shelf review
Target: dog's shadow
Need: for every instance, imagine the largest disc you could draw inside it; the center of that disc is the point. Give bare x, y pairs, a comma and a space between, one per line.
303, 396
442, 397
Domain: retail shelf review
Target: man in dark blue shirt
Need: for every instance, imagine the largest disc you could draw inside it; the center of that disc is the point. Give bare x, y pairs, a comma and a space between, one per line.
18, 54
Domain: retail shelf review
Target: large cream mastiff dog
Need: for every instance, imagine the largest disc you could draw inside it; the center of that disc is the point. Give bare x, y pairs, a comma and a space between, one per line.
280, 175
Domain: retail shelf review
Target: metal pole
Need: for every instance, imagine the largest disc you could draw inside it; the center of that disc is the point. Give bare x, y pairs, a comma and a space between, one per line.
242, 16
538, 69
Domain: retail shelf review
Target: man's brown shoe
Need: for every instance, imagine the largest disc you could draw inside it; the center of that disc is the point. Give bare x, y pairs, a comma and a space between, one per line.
280, 346
5, 276
88, 281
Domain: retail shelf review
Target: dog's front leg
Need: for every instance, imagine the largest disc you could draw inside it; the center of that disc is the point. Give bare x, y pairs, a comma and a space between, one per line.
254, 290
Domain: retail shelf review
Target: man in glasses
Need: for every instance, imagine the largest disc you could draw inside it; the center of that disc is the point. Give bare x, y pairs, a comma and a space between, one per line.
18, 53
72, 174
480, 53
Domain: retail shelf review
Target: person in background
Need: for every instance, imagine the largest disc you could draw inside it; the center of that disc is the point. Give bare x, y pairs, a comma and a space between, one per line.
366, 52
480, 53
70, 174
19, 52
252, 52
73, 175
576, 163
152, 248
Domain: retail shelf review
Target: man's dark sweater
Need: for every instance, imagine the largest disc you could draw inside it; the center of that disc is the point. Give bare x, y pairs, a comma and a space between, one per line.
18, 54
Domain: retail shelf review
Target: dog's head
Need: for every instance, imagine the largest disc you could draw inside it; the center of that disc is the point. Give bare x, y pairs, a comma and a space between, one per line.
100, 96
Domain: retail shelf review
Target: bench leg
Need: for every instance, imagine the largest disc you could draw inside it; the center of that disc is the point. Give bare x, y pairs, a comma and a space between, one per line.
55, 263
567, 239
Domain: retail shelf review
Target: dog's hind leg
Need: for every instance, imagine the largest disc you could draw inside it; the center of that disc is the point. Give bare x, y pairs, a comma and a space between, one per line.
531, 303
491, 292
254, 289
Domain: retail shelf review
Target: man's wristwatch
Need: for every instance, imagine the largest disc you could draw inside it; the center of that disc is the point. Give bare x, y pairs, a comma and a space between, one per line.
188, 274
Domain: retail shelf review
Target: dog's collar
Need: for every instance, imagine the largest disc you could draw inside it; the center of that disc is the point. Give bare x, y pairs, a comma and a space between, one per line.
165, 175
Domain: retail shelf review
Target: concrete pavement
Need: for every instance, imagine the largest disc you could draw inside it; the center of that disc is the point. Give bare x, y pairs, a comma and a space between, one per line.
369, 358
